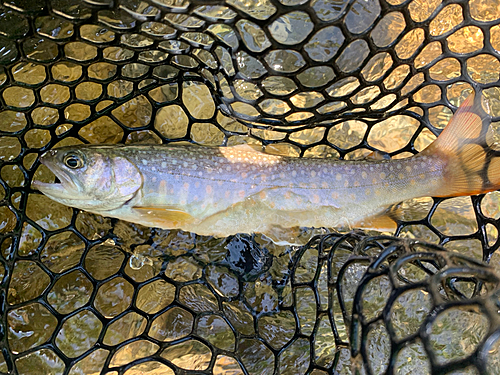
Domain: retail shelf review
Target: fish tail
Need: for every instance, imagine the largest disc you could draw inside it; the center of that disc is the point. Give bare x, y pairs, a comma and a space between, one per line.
471, 165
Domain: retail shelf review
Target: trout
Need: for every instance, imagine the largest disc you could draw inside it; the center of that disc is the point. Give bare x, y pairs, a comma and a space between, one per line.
227, 190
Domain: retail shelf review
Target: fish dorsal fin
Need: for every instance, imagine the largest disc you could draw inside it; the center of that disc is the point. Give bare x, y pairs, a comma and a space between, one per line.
165, 217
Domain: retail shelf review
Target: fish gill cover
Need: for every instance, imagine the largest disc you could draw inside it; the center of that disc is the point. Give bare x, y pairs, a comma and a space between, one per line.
84, 294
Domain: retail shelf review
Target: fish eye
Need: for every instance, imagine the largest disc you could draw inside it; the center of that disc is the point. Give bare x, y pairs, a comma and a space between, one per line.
73, 161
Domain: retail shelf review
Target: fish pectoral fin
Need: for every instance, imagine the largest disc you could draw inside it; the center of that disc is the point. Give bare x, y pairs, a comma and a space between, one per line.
168, 217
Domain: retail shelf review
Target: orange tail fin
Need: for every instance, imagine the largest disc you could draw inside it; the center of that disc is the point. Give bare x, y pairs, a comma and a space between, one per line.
472, 166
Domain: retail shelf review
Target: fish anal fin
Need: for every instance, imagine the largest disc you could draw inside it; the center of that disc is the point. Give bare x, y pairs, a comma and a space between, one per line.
382, 222
165, 217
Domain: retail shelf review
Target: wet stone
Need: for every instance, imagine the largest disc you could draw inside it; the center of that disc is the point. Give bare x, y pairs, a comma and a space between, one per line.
28, 281
306, 309
134, 70
306, 100
222, 280
120, 88
103, 261
66, 71
12, 122
328, 10
102, 130
30, 239
37, 138
10, 148
173, 324
40, 49
253, 36
78, 334
171, 122
256, 357
96, 34
150, 367
284, 60
183, 269
44, 116
48, 214
324, 344
378, 344
18, 97
217, 331
198, 353
198, 298
70, 292
102, 71
77, 112
455, 217
29, 326
45, 361
92, 363
388, 29
224, 364
133, 351
260, 10
409, 311
29, 73
457, 332
135, 113
249, 66
155, 296
117, 54
198, 100
207, 134
348, 134
277, 329
9, 53
343, 87
397, 131
13, 25
316, 76
361, 15
144, 137
239, 316
295, 359
88, 91
12, 176
126, 327
80, 51
353, 56
114, 297
54, 27
92, 226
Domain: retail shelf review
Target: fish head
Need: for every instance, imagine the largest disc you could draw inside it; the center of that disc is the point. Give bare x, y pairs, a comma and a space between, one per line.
96, 179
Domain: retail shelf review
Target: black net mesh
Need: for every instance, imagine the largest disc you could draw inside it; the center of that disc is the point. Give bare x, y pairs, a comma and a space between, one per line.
83, 294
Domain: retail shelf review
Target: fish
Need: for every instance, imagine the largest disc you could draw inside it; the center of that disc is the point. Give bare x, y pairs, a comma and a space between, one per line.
221, 191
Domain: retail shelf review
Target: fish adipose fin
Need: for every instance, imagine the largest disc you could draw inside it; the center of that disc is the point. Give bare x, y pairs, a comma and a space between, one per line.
166, 217
471, 166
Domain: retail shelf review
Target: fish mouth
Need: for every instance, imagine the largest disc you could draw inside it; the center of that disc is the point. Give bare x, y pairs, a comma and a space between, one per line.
63, 187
